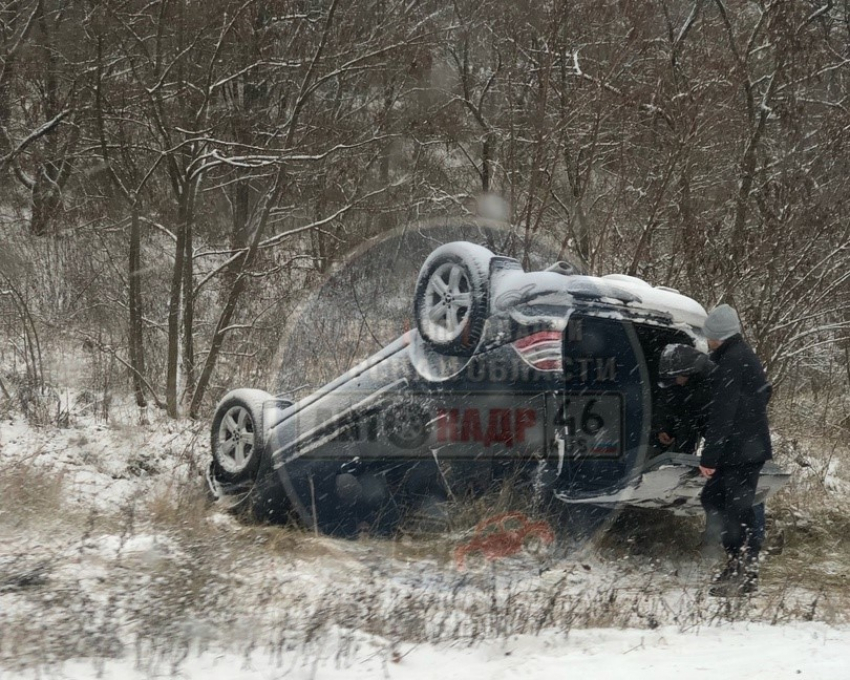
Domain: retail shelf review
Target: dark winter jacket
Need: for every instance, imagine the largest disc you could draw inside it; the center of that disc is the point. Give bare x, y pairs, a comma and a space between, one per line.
685, 409
737, 432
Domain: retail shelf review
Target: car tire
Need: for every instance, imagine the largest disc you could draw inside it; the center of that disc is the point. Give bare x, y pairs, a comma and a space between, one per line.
451, 300
237, 436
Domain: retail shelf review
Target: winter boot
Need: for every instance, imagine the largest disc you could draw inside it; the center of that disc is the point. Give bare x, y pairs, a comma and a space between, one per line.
739, 578
730, 571
750, 580
749, 583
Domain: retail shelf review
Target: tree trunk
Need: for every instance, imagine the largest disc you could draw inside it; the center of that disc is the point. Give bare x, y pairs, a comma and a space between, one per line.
45, 200
137, 346
45, 190
188, 312
171, 400
236, 291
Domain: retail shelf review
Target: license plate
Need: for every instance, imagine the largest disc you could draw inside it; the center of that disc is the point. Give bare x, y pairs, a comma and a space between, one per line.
589, 426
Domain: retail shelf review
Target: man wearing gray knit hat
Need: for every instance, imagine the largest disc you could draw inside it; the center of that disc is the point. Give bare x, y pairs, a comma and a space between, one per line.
737, 444
721, 324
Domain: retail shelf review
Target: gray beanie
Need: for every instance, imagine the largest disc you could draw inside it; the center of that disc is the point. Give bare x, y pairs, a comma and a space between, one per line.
721, 323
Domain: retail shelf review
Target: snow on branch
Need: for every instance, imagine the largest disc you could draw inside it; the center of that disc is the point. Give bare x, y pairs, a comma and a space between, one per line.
39, 132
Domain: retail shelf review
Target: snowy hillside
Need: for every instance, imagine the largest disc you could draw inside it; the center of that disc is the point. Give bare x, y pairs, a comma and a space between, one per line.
113, 561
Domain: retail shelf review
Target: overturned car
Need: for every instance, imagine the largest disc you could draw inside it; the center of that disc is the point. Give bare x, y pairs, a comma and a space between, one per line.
547, 378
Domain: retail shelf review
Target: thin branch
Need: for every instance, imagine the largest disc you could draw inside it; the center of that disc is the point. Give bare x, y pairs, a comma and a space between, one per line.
39, 132
107, 349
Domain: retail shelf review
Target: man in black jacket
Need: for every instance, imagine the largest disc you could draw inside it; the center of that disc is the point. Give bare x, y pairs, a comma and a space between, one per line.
687, 376
737, 444
685, 373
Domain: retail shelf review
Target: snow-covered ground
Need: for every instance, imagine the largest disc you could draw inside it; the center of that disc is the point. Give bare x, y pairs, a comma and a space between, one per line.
743, 651
112, 564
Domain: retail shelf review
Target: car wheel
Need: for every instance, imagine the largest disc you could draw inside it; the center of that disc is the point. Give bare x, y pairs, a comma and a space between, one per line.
237, 436
406, 425
450, 304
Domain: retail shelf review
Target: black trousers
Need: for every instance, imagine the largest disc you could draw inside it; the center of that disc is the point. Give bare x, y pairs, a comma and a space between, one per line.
728, 501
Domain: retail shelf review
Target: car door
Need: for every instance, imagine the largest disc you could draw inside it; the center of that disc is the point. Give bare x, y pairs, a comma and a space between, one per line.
600, 415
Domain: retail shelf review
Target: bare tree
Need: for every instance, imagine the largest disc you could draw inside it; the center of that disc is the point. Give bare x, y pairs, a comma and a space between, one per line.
229, 153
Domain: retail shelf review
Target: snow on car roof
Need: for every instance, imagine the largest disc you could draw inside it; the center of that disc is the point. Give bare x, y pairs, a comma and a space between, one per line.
682, 308
629, 291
